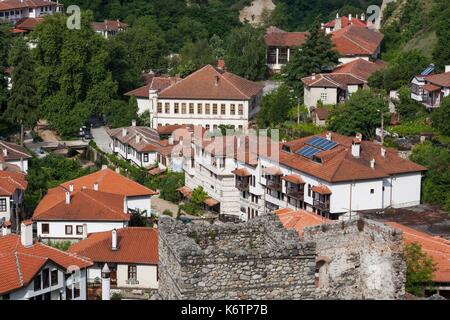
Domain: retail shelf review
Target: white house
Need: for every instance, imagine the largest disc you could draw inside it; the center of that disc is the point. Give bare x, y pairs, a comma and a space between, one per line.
209, 97
109, 28
429, 89
15, 10
97, 202
12, 192
34, 271
344, 21
339, 85
130, 253
14, 156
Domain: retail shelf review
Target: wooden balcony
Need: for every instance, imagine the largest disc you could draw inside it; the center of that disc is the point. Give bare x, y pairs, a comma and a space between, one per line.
295, 193
242, 185
273, 184
322, 205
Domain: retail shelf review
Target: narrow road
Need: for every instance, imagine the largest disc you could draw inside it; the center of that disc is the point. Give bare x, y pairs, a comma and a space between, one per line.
159, 205
102, 139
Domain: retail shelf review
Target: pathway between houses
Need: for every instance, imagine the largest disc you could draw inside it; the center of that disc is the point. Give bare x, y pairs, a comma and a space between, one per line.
159, 205
101, 138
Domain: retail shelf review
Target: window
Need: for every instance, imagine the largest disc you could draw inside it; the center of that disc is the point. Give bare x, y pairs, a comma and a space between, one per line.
183, 108
145, 157
2, 205
46, 278
207, 108
167, 107
45, 228
159, 107
232, 109
323, 96
191, 108
79, 230
214, 108
54, 277
76, 290
241, 109
176, 108
37, 283
309, 190
69, 230
222, 109
207, 127
132, 272
199, 108
372, 191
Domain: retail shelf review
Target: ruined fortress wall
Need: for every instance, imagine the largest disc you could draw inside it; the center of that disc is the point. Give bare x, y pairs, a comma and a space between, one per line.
255, 260
359, 259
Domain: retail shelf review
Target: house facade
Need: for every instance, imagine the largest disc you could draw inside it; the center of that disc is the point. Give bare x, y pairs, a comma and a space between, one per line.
343, 22
12, 192
14, 156
38, 272
109, 28
15, 10
131, 255
429, 89
209, 97
97, 202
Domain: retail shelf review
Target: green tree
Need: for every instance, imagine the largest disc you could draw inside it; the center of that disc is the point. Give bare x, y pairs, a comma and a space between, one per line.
195, 56
5, 39
419, 269
169, 185
314, 56
245, 52
441, 53
22, 103
360, 113
441, 117
275, 107
198, 196
137, 218
217, 45
406, 107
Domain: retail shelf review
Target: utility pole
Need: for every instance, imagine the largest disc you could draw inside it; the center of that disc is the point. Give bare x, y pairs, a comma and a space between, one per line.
382, 128
298, 110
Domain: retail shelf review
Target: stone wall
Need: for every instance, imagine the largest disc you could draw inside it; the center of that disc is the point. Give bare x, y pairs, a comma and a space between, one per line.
255, 260
359, 259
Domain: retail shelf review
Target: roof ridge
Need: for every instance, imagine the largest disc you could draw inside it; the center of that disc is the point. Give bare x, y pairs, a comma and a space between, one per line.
176, 83
358, 44
11, 148
232, 84
73, 255
19, 272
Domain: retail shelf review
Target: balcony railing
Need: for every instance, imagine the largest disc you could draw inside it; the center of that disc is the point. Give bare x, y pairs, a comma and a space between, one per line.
273, 184
295, 193
322, 205
242, 185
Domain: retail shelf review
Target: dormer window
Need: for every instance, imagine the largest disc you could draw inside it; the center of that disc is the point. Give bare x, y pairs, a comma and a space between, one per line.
286, 148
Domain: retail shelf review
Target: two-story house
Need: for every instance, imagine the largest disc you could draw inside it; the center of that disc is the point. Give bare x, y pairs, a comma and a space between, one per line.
34, 271
429, 88
12, 192
109, 28
14, 156
97, 202
15, 10
344, 21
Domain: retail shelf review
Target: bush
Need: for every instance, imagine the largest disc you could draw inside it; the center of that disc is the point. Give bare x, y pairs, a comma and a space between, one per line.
60, 245
167, 212
116, 296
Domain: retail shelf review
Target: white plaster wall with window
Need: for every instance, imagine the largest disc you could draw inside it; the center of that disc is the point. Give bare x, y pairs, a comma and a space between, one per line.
57, 229
146, 276
141, 203
314, 94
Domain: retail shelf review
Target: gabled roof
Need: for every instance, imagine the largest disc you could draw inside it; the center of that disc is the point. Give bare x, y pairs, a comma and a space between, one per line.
11, 181
157, 83
110, 181
85, 205
355, 40
109, 25
212, 83
22, 4
134, 245
360, 68
280, 38
345, 21
13, 151
140, 138
19, 264
28, 23
437, 248
299, 220
440, 79
332, 80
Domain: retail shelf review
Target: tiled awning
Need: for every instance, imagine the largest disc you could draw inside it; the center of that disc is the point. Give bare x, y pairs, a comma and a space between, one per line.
210, 202
185, 191
321, 189
431, 87
293, 178
273, 171
156, 171
242, 172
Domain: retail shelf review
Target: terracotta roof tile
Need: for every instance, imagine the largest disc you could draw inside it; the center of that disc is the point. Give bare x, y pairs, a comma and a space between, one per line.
440, 79
12, 181
293, 178
157, 83
277, 37
321, 189
13, 151
241, 172
109, 25
299, 220
355, 40
140, 138
22, 4
361, 68
135, 245
19, 264
346, 22
28, 23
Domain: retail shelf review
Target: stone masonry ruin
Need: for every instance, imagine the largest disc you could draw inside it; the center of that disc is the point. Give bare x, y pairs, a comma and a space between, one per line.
260, 259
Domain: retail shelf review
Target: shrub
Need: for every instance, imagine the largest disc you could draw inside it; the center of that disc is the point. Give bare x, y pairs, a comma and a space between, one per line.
167, 212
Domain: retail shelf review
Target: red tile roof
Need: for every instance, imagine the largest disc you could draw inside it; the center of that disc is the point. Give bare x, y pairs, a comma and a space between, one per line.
293, 178
28, 23
212, 83
85, 205
142, 139
135, 245
13, 151
321, 189
361, 68
12, 181
431, 87
440, 79
19, 264
436, 248
299, 220
110, 181
280, 38
321, 113
22, 4
242, 172
109, 25
157, 83
346, 22
332, 80
355, 40
185, 191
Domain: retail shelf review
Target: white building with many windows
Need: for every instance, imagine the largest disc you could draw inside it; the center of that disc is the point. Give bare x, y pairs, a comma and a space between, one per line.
15, 10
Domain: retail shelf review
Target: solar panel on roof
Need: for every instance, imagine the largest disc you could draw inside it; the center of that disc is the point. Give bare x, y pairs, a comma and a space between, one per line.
308, 151
322, 143
428, 70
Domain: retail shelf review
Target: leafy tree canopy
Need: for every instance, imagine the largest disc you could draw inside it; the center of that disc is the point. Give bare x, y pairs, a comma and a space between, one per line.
441, 117
275, 107
419, 269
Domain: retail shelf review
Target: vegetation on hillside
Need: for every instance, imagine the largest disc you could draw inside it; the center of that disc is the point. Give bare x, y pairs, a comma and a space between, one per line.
419, 269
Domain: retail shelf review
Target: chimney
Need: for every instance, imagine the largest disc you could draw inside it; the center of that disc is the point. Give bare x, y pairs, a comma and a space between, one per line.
26, 233
313, 76
221, 64
114, 240
118, 170
338, 23
21, 165
124, 132
71, 187
106, 283
5, 152
6, 230
217, 80
363, 17
357, 16
1, 166
447, 68
125, 205
85, 233
372, 163
104, 166
356, 147
133, 123
383, 152
349, 17
67, 197
138, 138
329, 136
171, 139
95, 186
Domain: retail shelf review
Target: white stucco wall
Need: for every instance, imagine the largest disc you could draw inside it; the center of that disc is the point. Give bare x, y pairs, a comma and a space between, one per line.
141, 203
58, 231
313, 95
147, 276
